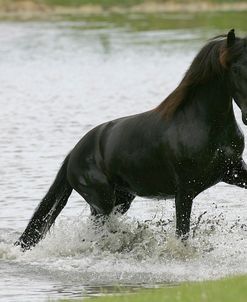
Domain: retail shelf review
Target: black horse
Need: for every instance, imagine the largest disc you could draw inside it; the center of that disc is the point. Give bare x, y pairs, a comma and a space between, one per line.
190, 142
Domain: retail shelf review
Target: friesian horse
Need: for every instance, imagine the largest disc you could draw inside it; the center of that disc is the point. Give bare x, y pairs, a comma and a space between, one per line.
188, 143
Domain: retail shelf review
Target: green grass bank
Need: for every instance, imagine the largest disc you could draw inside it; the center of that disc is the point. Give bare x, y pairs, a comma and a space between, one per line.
109, 3
226, 290
120, 6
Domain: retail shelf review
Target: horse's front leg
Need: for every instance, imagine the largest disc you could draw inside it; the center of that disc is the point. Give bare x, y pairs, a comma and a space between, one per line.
183, 202
237, 174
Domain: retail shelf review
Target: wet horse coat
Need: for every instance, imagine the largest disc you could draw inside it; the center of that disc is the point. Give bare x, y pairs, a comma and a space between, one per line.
190, 142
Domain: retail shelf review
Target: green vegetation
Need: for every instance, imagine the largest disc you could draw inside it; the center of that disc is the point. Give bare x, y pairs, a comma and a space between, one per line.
120, 14
149, 15
138, 21
108, 3
225, 290
104, 3
221, 21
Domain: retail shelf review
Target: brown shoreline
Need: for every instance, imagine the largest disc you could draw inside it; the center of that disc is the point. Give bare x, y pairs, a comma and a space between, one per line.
30, 8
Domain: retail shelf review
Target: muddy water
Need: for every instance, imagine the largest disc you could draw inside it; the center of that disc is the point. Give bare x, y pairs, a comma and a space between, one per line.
58, 80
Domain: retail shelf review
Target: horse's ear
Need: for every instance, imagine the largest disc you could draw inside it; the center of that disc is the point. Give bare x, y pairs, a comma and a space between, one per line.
230, 38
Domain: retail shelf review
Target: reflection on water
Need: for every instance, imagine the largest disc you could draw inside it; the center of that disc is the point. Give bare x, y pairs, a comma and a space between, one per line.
58, 81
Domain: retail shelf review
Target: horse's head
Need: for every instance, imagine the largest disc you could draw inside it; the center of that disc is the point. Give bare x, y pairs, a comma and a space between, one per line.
237, 64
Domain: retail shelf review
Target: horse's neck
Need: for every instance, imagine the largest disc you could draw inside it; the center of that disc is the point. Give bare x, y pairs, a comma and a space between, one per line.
212, 101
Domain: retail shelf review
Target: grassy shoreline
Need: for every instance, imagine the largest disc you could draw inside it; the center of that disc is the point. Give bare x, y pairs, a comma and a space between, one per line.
65, 7
223, 290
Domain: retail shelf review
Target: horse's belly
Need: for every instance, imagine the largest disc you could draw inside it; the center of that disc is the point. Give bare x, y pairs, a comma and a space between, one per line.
149, 184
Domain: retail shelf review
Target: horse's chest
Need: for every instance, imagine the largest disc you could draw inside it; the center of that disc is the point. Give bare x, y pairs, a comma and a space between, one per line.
205, 168
230, 147
212, 165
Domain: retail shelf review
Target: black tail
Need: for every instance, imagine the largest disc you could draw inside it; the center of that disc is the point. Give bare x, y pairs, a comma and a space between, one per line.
48, 210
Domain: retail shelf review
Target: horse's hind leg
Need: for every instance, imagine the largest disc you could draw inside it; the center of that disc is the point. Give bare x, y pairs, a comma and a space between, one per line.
123, 201
97, 191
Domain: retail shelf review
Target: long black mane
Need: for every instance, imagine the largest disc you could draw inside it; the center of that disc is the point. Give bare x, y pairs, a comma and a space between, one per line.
211, 63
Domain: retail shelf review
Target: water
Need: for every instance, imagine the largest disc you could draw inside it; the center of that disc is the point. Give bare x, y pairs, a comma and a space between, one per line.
58, 80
